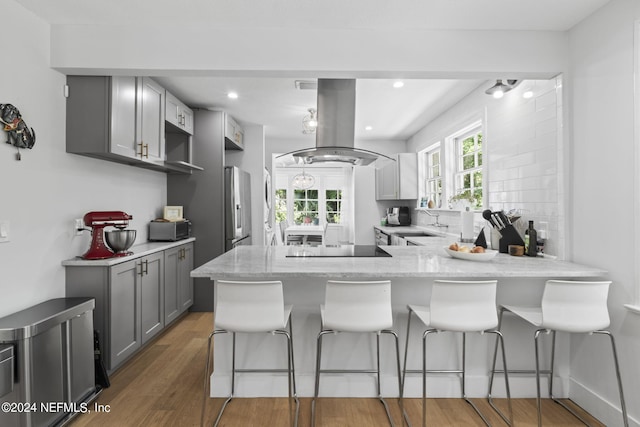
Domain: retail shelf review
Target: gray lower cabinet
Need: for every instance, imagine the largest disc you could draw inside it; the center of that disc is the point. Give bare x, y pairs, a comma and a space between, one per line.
135, 299
129, 303
178, 285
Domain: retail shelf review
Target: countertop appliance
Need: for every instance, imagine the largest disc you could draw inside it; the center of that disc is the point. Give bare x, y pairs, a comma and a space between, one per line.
169, 231
98, 221
237, 211
52, 361
398, 215
337, 251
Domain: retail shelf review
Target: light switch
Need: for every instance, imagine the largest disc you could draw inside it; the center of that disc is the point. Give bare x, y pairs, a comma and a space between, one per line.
4, 231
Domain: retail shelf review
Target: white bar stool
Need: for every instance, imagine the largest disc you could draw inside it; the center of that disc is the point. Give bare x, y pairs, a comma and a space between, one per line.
567, 306
352, 306
251, 307
458, 306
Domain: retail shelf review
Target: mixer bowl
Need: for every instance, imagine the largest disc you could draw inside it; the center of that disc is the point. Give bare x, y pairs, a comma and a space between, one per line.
120, 240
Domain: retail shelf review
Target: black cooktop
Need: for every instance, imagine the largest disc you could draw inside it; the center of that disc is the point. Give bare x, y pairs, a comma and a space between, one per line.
337, 251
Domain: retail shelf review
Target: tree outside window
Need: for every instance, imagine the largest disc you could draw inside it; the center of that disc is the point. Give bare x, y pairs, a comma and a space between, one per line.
281, 205
305, 206
469, 174
333, 201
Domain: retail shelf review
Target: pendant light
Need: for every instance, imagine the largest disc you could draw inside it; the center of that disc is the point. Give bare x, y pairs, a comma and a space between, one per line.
310, 122
303, 181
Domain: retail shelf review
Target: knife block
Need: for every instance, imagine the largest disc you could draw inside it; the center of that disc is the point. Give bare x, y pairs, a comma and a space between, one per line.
510, 236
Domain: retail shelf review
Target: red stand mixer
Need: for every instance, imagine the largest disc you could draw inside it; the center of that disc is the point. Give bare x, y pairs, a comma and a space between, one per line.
98, 221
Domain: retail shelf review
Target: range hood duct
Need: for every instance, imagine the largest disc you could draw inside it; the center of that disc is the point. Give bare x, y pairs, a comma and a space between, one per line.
336, 127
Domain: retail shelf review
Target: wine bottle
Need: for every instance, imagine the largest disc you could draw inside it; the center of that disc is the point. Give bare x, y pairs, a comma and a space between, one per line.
531, 241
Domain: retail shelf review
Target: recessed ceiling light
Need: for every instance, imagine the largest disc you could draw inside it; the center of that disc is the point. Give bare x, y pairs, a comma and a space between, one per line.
368, 128
232, 95
398, 84
527, 94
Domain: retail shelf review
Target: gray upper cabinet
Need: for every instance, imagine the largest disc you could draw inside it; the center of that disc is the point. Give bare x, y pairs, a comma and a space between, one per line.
152, 107
178, 114
233, 134
397, 180
116, 118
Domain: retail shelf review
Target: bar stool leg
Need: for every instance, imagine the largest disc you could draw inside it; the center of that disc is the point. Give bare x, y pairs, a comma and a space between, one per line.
206, 378
293, 419
538, 399
508, 420
293, 372
623, 407
317, 379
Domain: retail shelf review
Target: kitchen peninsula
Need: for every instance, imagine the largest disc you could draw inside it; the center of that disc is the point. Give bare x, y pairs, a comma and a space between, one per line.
411, 270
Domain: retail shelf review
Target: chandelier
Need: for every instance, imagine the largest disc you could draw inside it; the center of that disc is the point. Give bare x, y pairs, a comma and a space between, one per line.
303, 181
310, 122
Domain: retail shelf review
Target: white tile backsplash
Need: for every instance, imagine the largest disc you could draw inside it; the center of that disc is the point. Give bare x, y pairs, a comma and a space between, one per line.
523, 155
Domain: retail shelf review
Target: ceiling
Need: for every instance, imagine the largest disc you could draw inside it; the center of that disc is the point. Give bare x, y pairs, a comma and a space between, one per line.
394, 114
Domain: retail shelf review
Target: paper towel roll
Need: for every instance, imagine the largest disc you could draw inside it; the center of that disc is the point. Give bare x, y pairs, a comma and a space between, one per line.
467, 225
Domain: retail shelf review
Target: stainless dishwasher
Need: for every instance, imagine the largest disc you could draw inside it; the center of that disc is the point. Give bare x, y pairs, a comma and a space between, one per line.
50, 354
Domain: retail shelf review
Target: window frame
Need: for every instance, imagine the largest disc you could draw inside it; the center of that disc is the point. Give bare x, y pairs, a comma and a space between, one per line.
450, 163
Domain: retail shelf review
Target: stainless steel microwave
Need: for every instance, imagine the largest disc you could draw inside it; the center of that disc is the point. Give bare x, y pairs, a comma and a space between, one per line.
162, 231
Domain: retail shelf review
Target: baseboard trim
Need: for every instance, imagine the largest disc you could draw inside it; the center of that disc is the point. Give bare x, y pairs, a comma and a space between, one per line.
608, 413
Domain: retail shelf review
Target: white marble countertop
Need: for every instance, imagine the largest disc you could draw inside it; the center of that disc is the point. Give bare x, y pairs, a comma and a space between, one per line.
431, 260
139, 251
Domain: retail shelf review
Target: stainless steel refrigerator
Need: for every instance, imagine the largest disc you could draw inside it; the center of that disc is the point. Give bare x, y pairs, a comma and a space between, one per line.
237, 197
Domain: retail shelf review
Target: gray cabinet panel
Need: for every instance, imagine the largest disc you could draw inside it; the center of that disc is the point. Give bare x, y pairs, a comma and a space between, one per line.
152, 295
123, 138
171, 279
178, 284
151, 120
124, 312
185, 287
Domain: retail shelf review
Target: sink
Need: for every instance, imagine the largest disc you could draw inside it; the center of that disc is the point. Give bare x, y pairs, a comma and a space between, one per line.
414, 234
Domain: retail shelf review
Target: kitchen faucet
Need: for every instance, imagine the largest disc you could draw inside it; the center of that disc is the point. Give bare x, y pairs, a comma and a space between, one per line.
436, 216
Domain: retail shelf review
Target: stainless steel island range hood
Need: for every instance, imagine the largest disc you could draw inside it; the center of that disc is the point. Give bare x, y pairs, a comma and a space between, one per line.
336, 127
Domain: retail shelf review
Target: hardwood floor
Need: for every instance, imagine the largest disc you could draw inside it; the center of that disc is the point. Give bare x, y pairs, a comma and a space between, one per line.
162, 386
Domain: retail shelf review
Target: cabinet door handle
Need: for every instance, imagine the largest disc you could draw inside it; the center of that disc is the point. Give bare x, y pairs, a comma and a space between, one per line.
146, 151
141, 272
146, 266
140, 153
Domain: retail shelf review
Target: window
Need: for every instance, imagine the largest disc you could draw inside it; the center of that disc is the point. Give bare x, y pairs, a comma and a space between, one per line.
281, 205
468, 176
434, 177
333, 206
454, 168
305, 206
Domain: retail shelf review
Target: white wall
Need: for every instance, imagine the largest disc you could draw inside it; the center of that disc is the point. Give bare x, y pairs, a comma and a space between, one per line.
523, 152
601, 96
48, 188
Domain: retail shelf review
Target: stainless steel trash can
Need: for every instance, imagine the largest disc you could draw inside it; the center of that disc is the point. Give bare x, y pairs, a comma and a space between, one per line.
53, 362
